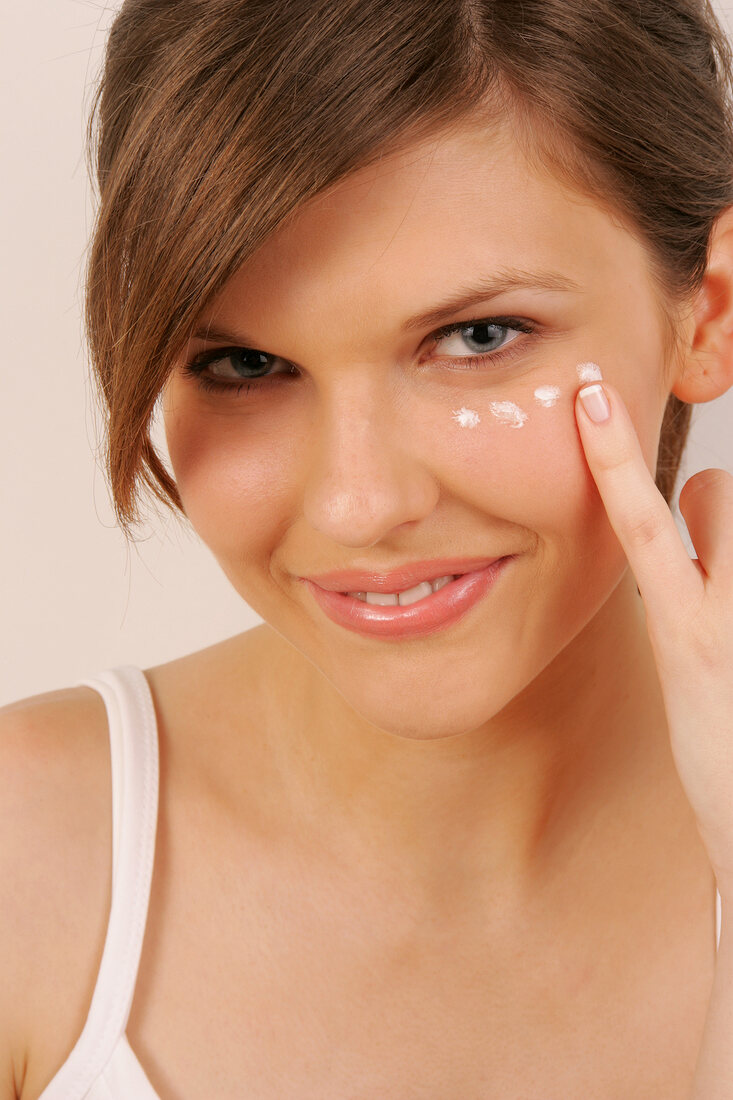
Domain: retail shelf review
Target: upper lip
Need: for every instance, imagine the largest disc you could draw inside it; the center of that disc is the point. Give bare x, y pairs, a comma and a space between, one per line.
397, 580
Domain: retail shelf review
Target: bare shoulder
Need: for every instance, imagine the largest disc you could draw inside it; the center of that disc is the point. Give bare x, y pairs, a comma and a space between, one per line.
55, 878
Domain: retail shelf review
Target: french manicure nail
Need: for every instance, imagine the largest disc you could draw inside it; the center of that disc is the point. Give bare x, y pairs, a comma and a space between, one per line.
595, 403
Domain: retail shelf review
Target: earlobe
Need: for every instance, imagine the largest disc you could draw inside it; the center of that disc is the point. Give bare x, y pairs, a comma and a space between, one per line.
706, 368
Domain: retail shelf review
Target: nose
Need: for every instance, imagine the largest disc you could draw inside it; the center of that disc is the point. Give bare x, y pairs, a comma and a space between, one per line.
365, 476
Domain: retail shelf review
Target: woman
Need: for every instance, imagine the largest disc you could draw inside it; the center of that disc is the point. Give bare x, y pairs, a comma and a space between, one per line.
405, 838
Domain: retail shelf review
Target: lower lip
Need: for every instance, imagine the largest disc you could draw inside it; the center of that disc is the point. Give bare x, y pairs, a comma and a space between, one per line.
445, 607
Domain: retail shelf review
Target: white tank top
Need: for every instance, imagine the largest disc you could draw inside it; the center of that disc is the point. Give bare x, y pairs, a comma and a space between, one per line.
102, 1065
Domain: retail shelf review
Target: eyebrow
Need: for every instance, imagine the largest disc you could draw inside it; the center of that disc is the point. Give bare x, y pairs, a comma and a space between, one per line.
490, 287
465, 297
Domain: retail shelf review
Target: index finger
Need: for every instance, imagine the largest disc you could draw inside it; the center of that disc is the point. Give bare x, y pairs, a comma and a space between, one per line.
666, 576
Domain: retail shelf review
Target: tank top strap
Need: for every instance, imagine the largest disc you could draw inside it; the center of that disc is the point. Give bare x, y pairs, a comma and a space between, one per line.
718, 917
133, 735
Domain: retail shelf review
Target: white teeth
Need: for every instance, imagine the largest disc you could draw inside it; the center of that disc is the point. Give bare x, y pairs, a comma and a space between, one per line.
412, 595
384, 599
403, 599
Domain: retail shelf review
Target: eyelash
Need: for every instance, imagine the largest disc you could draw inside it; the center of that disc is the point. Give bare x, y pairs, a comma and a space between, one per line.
196, 366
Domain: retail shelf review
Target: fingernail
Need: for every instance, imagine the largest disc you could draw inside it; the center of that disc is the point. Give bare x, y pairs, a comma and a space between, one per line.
595, 403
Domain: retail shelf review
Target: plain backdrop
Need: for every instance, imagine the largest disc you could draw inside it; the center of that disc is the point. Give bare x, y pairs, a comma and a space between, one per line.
74, 597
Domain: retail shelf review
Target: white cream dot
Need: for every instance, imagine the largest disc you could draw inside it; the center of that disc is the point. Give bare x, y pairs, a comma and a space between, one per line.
547, 396
589, 372
509, 413
467, 418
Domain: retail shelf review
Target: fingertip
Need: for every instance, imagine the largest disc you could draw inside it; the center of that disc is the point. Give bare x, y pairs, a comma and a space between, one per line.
593, 400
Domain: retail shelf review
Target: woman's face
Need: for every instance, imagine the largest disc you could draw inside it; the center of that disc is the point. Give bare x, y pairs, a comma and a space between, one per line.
371, 443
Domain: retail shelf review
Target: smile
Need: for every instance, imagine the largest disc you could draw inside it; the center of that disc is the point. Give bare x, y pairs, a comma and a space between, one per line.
424, 609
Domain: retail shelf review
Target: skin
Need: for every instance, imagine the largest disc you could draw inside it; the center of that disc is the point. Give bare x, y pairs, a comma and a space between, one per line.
464, 766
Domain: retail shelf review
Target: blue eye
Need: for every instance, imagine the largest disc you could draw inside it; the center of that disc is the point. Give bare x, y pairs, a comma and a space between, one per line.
480, 333
253, 369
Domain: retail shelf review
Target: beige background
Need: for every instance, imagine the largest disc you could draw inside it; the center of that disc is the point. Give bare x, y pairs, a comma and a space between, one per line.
74, 598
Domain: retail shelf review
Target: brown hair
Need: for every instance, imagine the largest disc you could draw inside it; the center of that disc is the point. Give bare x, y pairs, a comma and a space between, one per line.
215, 120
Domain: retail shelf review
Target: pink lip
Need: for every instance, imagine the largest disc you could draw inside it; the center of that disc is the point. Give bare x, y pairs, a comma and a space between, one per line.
407, 576
443, 608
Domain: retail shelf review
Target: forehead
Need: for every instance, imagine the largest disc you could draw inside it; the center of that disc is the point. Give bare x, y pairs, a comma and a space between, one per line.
400, 233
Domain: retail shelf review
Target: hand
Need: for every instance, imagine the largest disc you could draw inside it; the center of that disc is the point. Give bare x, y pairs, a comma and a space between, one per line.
689, 609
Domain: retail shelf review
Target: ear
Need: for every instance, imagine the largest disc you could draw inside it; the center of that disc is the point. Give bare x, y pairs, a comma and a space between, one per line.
706, 370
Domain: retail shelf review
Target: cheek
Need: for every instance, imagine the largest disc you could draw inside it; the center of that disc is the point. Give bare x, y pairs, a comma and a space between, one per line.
229, 473
535, 491
517, 461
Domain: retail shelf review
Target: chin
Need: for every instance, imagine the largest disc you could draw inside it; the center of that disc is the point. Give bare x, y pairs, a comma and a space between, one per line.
458, 706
